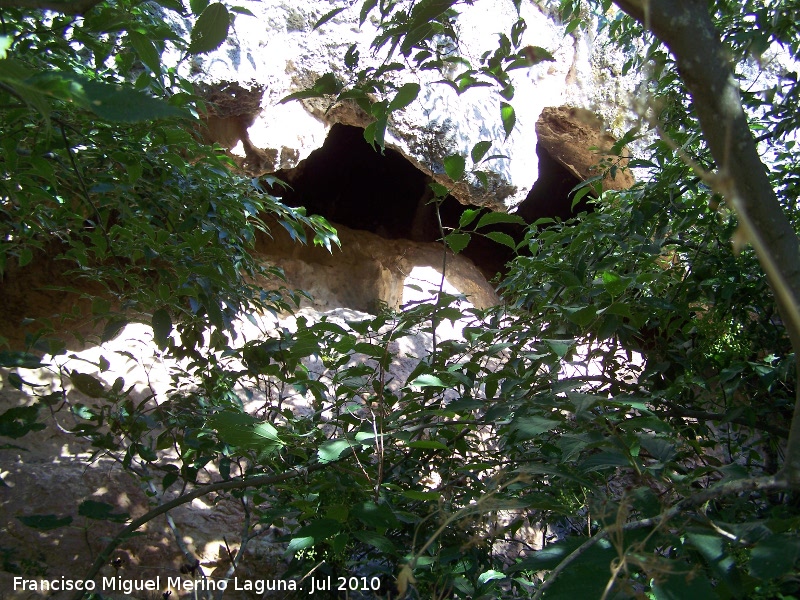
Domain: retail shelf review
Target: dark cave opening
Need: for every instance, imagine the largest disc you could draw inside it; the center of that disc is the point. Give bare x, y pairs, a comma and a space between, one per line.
351, 184
550, 195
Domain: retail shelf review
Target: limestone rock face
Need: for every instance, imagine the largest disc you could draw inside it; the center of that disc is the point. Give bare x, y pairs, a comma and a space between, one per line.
370, 270
279, 50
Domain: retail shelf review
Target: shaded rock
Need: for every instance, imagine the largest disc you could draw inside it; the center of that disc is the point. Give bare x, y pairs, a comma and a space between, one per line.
575, 139
369, 270
231, 110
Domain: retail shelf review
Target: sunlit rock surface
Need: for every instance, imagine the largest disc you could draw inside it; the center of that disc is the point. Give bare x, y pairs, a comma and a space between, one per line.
279, 50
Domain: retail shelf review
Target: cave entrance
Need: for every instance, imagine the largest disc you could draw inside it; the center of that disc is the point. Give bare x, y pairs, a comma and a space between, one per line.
550, 196
350, 183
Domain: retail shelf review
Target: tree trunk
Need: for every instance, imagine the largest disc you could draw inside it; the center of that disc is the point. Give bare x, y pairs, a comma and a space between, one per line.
704, 63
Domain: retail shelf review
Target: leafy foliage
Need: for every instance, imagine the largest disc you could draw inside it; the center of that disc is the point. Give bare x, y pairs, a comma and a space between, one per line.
638, 363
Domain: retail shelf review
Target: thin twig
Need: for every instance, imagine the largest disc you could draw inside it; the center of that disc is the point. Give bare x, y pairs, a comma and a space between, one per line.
187, 554
258, 480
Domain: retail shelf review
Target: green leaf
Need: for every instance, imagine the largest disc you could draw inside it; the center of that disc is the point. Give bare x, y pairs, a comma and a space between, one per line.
405, 96
101, 511
25, 256
241, 10
774, 556
417, 495
417, 33
615, 284
21, 79
572, 26
162, 328
16, 381
560, 347
465, 81
88, 385
508, 116
328, 16
13, 71
375, 540
198, 6
168, 480
19, 421
712, 548
20, 360
617, 308
592, 566
429, 10
428, 380
660, 449
245, 431
210, 30
507, 93
531, 426
682, 582
581, 316
365, 9
592, 185
146, 50
468, 216
112, 329
328, 84
45, 522
490, 575
548, 557
299, 543
604, 460
215, 314
439, 190
457, 241
325, 85
319, 530
454, 166
339, 543
479, 150
82, 412
579, 196
491, 218
502, 238
375, 515
465, 405
428, 445
333, 450
125, 105
375, 132
537, 54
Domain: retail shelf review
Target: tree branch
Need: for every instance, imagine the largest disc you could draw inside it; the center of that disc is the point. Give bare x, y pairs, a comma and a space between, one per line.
258, 480
703, 61
73, 7
760, 425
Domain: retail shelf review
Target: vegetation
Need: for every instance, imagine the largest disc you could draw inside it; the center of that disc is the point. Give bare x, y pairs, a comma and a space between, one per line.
635, 397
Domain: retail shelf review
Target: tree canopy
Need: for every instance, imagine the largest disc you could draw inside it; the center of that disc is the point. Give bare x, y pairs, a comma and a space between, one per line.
635, 397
